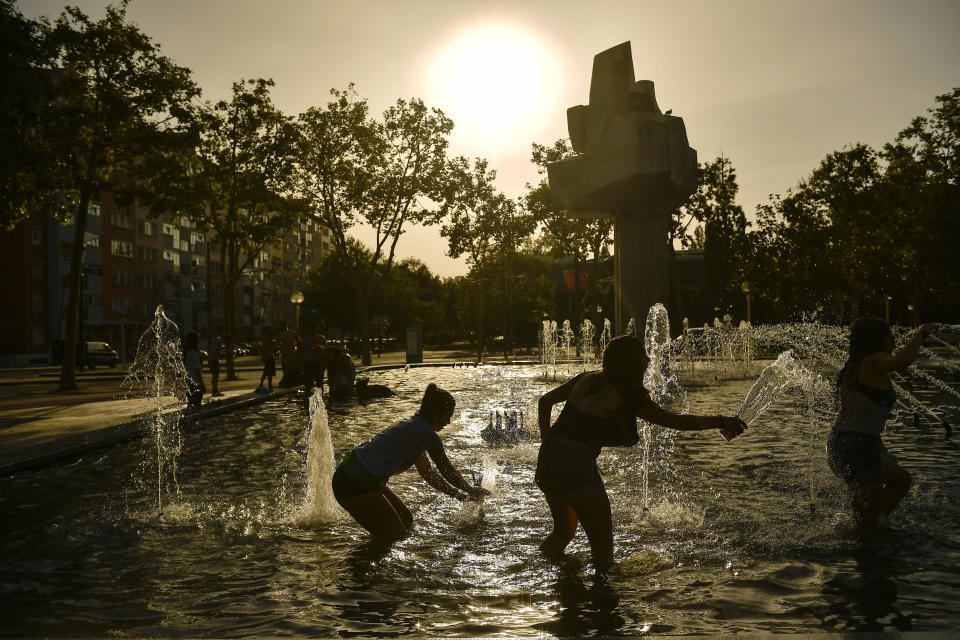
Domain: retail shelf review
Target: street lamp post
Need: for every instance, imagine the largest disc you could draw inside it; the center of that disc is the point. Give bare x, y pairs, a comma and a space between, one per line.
887, 308
297, 299
745, 287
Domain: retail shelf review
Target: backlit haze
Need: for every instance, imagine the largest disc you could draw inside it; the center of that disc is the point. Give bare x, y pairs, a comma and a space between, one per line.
773, 85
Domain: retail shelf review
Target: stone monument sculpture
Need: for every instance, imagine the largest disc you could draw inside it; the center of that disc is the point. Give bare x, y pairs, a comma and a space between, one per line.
633, 164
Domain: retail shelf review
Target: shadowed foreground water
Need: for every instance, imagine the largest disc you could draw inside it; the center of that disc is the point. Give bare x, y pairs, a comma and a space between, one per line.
730, 542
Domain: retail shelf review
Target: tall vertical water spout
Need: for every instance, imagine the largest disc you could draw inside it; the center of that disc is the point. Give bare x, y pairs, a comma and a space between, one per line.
319, 504
158, 374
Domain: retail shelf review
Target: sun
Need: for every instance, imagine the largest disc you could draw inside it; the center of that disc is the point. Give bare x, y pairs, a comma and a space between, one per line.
494, 81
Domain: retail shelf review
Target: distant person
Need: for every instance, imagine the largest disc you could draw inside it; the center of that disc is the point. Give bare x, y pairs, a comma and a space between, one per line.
267, 351
875, 480
601, 410
288, 343
315, 361
216, 352
360, 480
194, 366
342, 375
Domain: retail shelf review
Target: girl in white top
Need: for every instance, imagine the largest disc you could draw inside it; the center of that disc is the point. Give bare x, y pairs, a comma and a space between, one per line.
360, 481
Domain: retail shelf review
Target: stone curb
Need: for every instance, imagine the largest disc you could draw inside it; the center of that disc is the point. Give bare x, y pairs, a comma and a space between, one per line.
71, 446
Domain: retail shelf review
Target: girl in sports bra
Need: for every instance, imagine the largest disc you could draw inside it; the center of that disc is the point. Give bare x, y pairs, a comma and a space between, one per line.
601, 410
877, 483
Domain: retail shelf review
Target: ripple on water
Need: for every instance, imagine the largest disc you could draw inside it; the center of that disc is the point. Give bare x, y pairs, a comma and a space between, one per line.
728, 544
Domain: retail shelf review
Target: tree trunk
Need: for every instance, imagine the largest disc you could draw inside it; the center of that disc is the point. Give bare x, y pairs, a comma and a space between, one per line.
481, 338
68, 380
228, 327
506, 313
363, 320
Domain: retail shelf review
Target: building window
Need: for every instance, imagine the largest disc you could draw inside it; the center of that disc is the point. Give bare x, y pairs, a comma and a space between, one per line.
122, 277
121, 248
37, 336
147, 228
122, 305
198, 261
171, 256
91, 239
37, 302
167, 229
36, 269
119, 219
196, 238
94, 210
36, 234
148, 255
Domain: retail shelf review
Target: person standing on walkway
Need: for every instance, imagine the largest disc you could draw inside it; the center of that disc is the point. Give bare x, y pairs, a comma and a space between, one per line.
267, 350
360, 480
194, 366
601, 410
875, 480
216, 352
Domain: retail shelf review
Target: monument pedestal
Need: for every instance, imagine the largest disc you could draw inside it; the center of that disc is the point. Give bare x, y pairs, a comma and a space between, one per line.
641, 266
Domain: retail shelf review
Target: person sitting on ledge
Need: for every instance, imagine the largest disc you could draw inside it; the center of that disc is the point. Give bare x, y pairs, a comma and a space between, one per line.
601, 410
855, 452
341, 375
360, 480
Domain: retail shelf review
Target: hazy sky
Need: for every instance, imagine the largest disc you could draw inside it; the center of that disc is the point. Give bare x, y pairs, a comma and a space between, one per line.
774, 85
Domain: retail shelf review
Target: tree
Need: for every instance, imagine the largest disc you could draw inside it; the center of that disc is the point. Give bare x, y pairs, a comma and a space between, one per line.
242, 182
384, 174
726, 251
25, 90
118, 102
474, 208
922, 181
565, 234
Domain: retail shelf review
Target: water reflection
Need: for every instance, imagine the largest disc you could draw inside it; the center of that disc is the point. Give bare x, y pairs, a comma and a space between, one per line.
586, 605
865, 598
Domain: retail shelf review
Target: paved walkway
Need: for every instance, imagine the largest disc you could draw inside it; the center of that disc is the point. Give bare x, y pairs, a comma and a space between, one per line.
38, 424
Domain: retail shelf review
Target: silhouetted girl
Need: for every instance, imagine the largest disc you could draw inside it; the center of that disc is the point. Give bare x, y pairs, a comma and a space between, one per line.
856, 454
601, 410
360, 481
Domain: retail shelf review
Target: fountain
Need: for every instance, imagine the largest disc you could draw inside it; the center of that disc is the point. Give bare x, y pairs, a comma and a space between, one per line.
157, 373
256, 546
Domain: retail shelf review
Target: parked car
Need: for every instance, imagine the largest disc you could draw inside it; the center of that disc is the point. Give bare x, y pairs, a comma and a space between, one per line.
100, 353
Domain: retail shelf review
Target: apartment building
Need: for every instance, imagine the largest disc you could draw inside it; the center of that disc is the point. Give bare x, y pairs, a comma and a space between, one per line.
132, 264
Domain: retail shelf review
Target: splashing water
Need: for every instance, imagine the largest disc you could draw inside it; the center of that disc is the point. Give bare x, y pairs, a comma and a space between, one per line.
785, 373
319, 504
158, 374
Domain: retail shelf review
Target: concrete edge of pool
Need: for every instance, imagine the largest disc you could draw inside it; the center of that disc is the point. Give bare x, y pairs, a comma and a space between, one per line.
87, 435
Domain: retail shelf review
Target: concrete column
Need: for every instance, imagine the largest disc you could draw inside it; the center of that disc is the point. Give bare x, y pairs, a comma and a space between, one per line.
641, 263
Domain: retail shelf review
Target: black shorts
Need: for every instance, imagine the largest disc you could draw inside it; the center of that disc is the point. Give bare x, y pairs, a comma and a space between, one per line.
214, 366
565, 466
269, 366
855, 457
352, 479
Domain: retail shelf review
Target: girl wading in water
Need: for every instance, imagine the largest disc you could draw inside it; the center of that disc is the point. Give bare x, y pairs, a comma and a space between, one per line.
360, 481
877, 483
601, 410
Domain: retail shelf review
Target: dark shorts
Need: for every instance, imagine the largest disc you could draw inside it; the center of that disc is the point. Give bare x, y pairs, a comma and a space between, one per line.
269, 366
565, 466
214, 366
352, 479
855, 457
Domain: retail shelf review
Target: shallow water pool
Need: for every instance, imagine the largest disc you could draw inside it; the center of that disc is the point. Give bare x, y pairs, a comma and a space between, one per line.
747, 536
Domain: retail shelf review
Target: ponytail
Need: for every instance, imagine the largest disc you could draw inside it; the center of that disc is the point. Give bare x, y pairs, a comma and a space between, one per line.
436, 399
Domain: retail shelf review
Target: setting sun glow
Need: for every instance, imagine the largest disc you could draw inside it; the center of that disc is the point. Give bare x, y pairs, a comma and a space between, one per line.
494, 81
